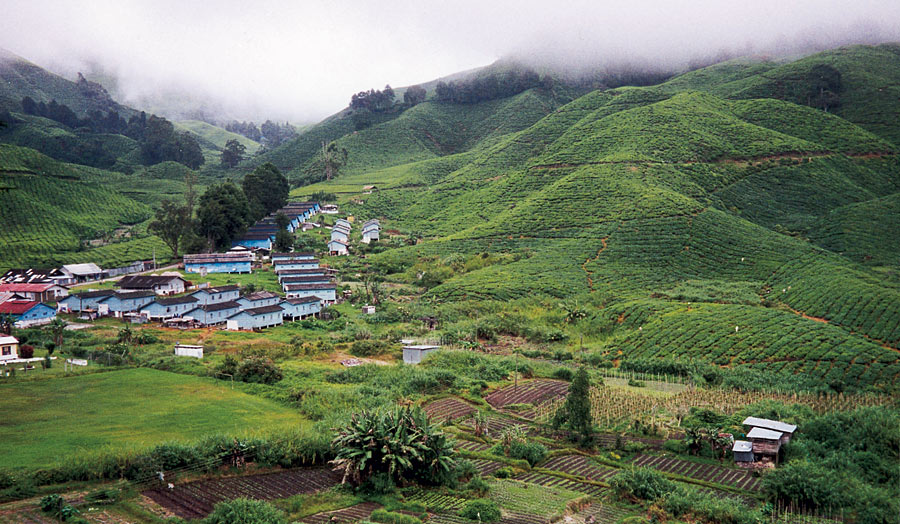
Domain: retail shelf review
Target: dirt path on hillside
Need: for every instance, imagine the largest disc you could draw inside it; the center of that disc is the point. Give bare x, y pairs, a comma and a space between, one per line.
603, 242
791, 155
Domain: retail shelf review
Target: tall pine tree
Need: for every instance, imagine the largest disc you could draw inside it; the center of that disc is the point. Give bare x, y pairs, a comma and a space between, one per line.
575, 414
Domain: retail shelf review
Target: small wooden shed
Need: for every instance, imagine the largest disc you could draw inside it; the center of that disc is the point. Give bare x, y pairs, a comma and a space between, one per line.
786, 430
766, 443
743, 451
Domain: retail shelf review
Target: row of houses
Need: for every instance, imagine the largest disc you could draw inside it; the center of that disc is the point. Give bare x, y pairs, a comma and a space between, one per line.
340, 235
261, 235
70, 274
236, 260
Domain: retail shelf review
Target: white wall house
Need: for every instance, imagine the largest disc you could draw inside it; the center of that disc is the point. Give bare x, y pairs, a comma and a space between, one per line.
9, 348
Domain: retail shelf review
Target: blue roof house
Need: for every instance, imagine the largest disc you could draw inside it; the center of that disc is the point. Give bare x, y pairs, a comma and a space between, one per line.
300, 255
295, 308
256, 318
218, 263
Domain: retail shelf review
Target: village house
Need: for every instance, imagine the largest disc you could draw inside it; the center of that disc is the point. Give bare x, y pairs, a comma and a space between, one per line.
122, 302
35, 276
305, 279
215, 295
230, 262
256, 318
9, 348
84, 301
368, 310
311, 272
255, 241
343, 222
300, 308
259, 299
330, 209
47, 292
337, 247
168, 307
212, 314
309, 263
300, 255
159, 284
27, 313
340, 233
326, 292
787, 430
371, 230
77, 273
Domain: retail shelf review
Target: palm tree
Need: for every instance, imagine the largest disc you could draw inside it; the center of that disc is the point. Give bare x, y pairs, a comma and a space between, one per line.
57, 329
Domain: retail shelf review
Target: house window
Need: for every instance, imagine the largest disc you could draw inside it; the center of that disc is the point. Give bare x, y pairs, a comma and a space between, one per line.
7, 350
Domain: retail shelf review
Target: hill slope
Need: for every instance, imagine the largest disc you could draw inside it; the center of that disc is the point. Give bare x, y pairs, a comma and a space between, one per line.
681, 209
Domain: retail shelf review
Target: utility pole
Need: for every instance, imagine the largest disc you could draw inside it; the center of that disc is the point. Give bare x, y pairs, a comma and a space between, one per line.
516, 378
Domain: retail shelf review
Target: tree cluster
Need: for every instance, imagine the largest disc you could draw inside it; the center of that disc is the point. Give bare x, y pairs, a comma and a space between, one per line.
158, 140
823, 87
270, 134
266, 190
414, 95
489, 87
233, 153
372, 100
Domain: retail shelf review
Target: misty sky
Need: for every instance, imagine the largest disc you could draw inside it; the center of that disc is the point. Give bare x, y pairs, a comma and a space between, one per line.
303, 59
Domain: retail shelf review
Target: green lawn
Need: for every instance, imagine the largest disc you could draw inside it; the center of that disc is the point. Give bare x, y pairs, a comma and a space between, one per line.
45, 420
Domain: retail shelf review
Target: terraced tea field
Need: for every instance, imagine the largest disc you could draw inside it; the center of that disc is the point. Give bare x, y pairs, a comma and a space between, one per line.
534, 392
196, 499
737, 478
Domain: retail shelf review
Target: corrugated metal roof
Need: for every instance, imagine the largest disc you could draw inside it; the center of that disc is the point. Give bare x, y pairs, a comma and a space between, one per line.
742, 446
774, 425
17, 307
308, 287
765, 434
9, 340
26, 288
305, 300
83, 269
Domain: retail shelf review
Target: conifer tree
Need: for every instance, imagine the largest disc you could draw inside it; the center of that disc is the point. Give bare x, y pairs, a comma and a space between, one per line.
575, 414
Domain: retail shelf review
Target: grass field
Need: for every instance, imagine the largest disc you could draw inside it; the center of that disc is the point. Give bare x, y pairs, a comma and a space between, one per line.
44, 421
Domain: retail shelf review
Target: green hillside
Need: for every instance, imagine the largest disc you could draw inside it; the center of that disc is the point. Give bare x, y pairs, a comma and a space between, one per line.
704, 223
54, 210
216, 135
20, 78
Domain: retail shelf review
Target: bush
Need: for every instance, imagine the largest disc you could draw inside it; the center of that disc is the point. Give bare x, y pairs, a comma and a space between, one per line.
678, 447
563, 374
51, 503
533, 452
244, 511
478, 487
258, 370
368, 348
26, 351
636, 383
102, 496
635, 446
482, 510
391, 517
504, 473
641, 483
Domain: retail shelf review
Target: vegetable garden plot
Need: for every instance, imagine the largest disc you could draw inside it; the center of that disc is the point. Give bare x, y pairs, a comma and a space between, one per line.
468, 445
196, 499
579, 465
487, 467
434, 501
514, 517
531, 392
354, 513
603, 513
496, 425
448, 409
543, 479
737, 478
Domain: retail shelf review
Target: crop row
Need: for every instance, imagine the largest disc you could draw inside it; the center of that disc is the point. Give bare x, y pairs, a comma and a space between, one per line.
708, 472
196, 499
578, 465
531, 392
353, 513
613, 406
448, 409
542, 479
435, 501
